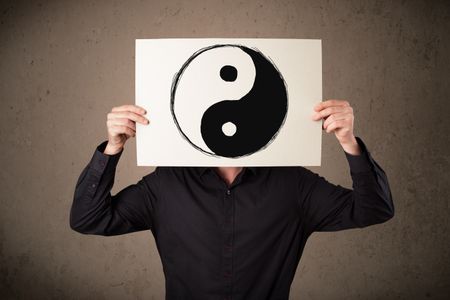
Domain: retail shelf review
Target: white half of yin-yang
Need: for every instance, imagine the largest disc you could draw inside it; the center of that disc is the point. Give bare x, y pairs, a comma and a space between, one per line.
201, 86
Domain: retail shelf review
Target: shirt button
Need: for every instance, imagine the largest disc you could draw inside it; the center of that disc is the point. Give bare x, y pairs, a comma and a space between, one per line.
93, 185
228, 192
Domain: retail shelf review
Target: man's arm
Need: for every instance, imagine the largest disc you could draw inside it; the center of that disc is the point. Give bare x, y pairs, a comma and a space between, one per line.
95, 211
329, 207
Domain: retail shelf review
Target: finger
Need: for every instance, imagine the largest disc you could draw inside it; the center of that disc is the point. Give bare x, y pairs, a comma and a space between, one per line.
335, 117
118, 129
331, 110
122, 122
332, 102
336, 125
129, 115
130, 107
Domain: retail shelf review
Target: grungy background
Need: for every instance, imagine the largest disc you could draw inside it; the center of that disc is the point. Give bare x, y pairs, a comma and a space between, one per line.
65, 64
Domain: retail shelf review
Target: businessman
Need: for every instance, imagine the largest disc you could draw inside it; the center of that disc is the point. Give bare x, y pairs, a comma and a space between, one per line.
230, 232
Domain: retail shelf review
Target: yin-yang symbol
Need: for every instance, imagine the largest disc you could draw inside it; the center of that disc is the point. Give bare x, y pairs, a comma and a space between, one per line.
229, 100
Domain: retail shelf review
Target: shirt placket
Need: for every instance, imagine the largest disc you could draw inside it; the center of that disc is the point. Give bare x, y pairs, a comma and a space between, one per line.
227, 245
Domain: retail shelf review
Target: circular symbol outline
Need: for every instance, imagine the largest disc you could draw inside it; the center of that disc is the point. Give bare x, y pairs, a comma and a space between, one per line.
179, 74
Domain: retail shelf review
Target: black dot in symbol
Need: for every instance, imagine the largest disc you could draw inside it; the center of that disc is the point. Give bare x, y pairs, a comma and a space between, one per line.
228, 73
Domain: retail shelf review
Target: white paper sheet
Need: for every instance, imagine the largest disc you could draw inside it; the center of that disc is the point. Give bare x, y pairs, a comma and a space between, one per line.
228, 102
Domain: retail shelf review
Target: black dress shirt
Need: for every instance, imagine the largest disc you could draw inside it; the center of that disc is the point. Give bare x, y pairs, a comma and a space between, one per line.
242, 241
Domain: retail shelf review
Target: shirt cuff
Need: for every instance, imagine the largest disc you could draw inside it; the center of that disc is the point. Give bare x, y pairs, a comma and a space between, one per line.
359, 163
102, 162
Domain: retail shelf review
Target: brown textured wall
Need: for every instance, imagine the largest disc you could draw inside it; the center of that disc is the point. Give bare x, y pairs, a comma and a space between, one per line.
64, 64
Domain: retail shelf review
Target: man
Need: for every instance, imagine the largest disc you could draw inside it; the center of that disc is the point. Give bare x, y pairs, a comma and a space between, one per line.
230, 232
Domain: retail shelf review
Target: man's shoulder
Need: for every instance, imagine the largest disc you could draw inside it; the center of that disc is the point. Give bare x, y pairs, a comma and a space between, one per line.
167, 170
283, 171
286, 169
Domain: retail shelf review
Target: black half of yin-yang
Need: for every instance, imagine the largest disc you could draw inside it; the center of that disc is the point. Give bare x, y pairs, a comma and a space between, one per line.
258, 115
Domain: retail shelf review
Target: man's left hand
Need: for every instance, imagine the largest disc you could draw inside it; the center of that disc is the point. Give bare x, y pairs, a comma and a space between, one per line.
338, 116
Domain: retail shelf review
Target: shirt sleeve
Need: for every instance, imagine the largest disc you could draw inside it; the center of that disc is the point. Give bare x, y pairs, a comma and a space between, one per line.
330, 207
95, 211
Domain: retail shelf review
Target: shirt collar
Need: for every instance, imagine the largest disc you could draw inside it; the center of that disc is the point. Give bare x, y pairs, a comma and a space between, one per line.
202, 170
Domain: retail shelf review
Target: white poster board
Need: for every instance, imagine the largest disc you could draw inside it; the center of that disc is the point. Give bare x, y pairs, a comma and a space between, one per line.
228, 102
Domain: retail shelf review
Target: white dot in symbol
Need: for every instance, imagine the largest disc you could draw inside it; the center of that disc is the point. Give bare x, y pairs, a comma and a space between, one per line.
229, 129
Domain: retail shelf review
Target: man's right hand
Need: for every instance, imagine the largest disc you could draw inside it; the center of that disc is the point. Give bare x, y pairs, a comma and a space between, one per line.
121, 124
